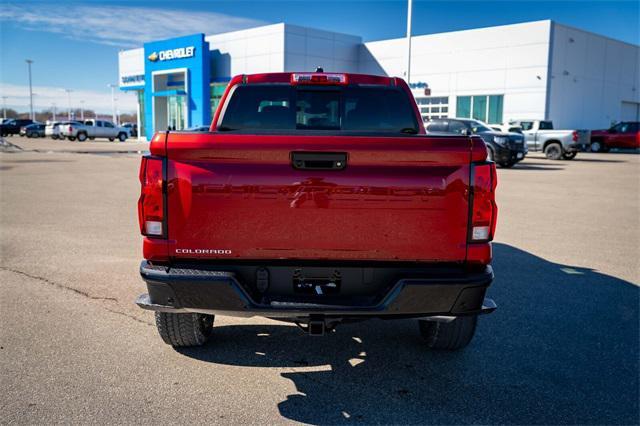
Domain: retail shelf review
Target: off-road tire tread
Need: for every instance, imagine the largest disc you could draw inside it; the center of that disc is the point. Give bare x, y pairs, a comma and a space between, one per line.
449, 336
181, 329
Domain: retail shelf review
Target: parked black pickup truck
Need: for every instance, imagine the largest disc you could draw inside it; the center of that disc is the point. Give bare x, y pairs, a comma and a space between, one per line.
506, 149
13, 125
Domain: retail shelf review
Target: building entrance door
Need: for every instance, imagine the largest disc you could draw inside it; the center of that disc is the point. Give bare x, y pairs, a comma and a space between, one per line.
169, 100
175, 112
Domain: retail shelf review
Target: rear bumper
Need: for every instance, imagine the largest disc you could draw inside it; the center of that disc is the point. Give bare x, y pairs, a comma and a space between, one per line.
577, 147
211, 291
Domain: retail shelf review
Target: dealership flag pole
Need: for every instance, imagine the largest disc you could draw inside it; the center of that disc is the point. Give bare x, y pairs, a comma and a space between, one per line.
29, 62
113, 102
409, 7
4, 107
68, 103
82, 110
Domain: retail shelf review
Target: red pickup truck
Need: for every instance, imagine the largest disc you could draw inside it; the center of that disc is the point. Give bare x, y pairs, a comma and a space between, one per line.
317, 198
625, 134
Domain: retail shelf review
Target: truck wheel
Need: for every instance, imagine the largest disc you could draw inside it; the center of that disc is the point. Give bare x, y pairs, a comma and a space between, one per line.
112, 139
82, 137
449, 335
553, 151
72, 138
184, 329
506, 164
569, 155
122, 137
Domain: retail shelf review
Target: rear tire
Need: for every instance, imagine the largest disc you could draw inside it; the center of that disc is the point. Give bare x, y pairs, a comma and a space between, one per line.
112, 139
72, 138
179, 330
82, 137
597, 146
569, 155
553, 151
122, 137
506, 165
449, 335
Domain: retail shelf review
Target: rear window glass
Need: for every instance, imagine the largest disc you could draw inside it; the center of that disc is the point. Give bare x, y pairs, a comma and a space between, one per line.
350, 108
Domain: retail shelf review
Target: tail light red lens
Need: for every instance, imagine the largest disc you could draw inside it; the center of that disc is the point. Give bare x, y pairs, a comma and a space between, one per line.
484, 211
70, 129
574, 136
151, 202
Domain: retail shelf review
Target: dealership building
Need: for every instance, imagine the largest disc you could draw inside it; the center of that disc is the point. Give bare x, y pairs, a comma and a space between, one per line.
540, 70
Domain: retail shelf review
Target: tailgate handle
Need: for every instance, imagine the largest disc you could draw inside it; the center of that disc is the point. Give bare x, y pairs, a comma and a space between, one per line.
319, 160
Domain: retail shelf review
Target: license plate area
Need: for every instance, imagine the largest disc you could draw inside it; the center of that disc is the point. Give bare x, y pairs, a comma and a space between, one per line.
312, 284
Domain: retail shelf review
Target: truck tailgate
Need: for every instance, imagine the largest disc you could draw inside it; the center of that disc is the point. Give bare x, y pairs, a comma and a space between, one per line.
238, 196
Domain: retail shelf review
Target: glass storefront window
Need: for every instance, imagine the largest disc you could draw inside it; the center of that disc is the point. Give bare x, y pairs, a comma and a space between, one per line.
175, 112
479, 111
463, 107
495, 109
486, 108
216, 92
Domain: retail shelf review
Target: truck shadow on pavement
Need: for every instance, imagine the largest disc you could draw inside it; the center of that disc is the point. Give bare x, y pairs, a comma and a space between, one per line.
562, 348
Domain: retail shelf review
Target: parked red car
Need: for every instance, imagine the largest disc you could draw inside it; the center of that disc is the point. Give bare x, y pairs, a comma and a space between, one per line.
318, 199
625, 134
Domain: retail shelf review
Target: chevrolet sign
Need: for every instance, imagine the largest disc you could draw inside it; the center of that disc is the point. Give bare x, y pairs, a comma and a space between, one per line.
167, 55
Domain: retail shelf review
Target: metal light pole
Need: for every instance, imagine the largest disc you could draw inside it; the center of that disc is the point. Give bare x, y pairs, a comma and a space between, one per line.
29, 62
53, 107
4, 107
409, 9
82, 110
68, 103
113, 102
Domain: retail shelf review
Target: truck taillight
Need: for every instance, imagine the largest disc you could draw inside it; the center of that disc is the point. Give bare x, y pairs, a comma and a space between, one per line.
484, 210
318, 78
151, 202
70, 129
574, 136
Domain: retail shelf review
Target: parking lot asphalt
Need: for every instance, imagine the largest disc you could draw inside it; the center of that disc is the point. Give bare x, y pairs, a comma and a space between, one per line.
562, 348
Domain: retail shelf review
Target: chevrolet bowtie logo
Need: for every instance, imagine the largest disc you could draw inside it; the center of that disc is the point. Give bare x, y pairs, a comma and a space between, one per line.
153, 57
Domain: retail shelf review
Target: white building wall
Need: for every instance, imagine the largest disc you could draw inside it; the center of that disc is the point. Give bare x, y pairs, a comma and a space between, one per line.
255, 50
308, 48
511, 60
592, 79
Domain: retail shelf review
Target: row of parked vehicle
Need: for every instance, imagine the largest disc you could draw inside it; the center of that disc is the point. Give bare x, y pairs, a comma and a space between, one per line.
72, 130
509, 144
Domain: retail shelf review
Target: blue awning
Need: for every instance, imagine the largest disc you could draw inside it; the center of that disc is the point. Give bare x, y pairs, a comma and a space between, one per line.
127, 88
169, 93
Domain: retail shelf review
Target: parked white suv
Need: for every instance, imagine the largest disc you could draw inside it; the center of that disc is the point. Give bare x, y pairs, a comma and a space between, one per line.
92, 129
52, 129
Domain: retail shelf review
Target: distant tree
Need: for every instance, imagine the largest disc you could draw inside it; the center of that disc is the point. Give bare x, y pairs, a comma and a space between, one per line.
128, 118
11, 113
62, 114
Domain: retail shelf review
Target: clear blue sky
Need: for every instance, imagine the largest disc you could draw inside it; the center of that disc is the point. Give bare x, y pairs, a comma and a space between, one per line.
75, 44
